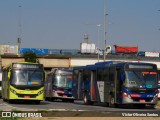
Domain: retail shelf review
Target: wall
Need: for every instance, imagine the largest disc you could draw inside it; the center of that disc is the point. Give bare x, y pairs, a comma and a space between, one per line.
54, 62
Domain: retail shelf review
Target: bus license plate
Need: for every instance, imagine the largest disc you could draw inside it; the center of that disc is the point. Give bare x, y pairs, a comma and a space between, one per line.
26, 96
142, 101
65, 96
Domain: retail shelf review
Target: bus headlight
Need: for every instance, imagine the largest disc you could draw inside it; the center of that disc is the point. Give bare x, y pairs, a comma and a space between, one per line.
156, 95
13, 91
124, 94
40, 92
129, 96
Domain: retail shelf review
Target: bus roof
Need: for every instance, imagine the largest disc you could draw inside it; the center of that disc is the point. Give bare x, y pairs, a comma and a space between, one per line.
109, 63
10, 65
60, 71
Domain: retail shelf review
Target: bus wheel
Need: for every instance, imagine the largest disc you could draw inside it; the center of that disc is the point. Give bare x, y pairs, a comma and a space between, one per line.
111, 101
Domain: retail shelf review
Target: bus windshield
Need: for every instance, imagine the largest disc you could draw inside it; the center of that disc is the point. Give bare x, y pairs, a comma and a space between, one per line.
63, 81
141, 79
27, 77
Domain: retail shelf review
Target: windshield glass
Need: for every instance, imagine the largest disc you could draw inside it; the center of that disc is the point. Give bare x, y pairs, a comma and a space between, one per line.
141, 79
27, 77
63, 81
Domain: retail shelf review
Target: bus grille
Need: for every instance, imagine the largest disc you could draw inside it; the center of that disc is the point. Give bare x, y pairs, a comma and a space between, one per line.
146, 99
25, 95
67, 95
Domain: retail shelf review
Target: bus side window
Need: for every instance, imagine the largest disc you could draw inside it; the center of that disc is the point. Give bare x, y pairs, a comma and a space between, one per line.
106, 75
111, 74
86, 79
100, 74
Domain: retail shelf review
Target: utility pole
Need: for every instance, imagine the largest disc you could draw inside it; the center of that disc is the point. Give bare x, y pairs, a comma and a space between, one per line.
105, 30
20, 29
99, 25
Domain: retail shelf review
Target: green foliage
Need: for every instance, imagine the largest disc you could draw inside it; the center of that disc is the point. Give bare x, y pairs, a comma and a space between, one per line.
29, 57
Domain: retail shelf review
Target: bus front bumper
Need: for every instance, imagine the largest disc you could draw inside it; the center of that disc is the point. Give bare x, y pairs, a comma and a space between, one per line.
127, 100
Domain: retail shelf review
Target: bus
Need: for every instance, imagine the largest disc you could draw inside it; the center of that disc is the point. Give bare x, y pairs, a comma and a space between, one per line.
23, 81
0, 82
116, 83
159, 84
58, 85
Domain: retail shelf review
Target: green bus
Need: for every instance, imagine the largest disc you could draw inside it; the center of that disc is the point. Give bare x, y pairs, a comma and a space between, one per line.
23, 81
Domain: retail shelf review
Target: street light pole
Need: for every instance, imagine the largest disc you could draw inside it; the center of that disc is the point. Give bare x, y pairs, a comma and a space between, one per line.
20, 30
159, 11
99, 25
104, 54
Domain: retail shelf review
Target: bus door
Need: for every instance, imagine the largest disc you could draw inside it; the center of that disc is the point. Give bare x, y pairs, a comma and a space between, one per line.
106, 84
118, 85
5, 84
75, 84
93, 85
112, 87
80, 85
100, 84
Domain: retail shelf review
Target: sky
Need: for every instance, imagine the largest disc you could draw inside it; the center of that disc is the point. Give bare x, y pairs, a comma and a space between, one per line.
62, 24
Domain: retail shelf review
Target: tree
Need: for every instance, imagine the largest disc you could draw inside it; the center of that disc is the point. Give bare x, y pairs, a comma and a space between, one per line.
30, 57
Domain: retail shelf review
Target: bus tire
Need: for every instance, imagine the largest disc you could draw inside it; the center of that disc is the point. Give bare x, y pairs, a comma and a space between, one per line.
111, 101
